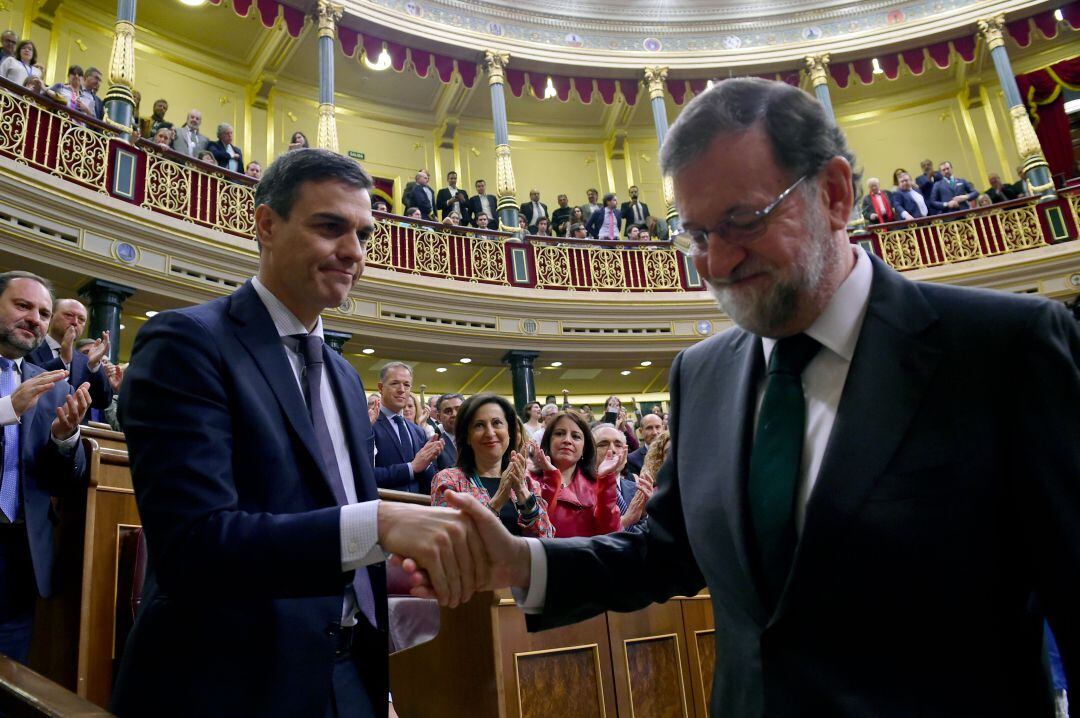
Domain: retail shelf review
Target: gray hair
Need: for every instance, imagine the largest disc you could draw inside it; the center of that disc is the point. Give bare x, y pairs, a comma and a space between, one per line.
554, 409
447, 397
391, 366
223, 128
802, 136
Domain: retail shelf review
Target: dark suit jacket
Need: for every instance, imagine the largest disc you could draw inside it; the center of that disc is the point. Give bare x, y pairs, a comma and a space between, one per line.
940, 508
475, 208
627, 214
242, 522
44, 473
1006, 193
944, 191
527, 210
448, 458
217, 149
925, 183
905, 203
417, 196
392, 460
101, 392
636, 458
445, 198
596, 223
868, 209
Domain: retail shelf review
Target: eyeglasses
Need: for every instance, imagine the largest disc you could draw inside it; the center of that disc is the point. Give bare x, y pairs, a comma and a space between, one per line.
740, 227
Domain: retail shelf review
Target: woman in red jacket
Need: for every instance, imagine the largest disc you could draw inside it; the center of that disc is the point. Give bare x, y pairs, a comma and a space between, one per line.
578, 503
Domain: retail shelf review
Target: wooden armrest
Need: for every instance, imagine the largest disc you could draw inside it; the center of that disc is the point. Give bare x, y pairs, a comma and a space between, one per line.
26, 694
404, 497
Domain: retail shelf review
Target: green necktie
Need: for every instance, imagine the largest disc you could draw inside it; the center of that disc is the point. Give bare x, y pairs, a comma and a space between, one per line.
776, 459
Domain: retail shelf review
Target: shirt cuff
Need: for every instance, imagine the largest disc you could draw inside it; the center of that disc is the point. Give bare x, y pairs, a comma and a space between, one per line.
67, 446
531, 599
7, 412
360, 535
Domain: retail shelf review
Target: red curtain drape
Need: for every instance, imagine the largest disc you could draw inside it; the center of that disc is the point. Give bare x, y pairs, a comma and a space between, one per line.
1041, 90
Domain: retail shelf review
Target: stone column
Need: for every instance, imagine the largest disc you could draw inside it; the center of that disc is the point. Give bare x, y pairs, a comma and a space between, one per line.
496, 62
104, 302
817, 67
119, 100
326, 135
1036, 172
655, 77
336, 340
521, 372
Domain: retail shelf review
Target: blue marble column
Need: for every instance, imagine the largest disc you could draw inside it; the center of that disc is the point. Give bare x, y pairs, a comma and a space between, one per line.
496, 62
817, 68
119, 100
654, 80
1037, 179
326, 135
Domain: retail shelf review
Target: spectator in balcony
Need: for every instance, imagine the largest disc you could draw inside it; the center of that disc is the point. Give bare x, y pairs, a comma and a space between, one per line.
634, 212
413, 213
533, 210
878, 206
657, 228
604, 222
225, 153
189, 140
896, 178
951, 194
421, 196
576, 217
984, 200
254, 170
481, 221
460, 204
578, 231
380, 206
547, 415
925, 181
560, 218
634, 234
451, 220
70, 92
34, 84
999, 191
207, 156
523, 226
157, 119
543, 227
644, 236
590, 206
1019, 187
9, 40
298, 141
91, 85
483, 203
581, 496
447, 198
22, 65
909, 200
164, 138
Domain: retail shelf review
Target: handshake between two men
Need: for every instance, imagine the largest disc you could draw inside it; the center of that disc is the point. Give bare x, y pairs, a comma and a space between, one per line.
452, 553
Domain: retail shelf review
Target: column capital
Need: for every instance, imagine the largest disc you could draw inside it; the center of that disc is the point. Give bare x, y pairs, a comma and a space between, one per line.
991, 28
336, 340
328, 14
817, 67
520, 357
495, 61
100, 290
655, 75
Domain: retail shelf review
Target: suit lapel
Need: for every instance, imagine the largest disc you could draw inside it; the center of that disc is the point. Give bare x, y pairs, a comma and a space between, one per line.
391, 436
256, 331
26, 421
350, 397
888, 377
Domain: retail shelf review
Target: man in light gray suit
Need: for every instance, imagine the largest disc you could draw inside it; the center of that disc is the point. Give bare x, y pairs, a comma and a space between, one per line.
890, 504
189, 140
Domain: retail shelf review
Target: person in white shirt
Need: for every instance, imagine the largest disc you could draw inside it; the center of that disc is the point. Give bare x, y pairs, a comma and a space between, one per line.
189, 140
22, 65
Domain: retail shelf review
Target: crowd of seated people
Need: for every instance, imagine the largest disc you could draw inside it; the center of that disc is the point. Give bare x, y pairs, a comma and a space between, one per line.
931, 193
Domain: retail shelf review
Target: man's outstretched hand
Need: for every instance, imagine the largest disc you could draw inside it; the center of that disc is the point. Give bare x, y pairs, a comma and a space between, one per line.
507, 557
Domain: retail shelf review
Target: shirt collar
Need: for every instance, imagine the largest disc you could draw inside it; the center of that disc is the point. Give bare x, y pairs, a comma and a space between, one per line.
390, 414
285, 321
837, 328
53, 344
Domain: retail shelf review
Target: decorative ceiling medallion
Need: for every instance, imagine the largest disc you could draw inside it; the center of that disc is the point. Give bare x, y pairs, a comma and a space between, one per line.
413, 9
346, 307
704, 327
895, 17
125, 252
574, 40
529, 326
732, 42
651, 44
495, 28
811, 33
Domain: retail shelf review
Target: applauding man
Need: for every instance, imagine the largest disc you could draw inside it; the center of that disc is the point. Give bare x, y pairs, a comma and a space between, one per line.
58, 352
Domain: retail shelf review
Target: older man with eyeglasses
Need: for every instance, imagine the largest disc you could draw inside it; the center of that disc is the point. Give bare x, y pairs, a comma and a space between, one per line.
890, 505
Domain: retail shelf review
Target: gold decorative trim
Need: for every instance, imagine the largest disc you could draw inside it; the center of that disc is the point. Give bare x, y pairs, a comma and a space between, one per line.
122, 59
326, 134
991, 28
495, 61
505, 185
817, 68
329, 14
1027, 142
655, 76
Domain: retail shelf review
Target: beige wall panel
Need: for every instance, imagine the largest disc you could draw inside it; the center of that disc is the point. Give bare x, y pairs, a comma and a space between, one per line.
556, 168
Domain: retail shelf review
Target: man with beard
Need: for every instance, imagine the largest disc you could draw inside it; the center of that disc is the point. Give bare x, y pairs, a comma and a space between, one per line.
876, 495
42, 455
634, 213
189, 140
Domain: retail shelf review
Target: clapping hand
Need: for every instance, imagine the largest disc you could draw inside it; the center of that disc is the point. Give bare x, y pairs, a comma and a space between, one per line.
116, 376
637, 504
541, 460
373, 410
428, 453
609, 464
98, 351
70, 413
31, 390
511, 482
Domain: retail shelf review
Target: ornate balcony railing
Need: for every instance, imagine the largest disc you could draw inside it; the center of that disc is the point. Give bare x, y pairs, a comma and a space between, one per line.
37, 132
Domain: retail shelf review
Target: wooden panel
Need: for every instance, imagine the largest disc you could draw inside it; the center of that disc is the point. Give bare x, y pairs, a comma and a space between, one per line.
655, 671
666, 694
104, 438
701, 649
550, 682
26, 694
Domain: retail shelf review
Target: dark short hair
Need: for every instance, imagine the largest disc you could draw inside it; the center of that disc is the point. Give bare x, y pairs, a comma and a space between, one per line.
281, 181
447, 397
525, 409
466, 458
588, 451
479, 181
24, 43
576, 226
451, 172
92, 71
75, 70
593, 190
608, 197
802, 136
6, 277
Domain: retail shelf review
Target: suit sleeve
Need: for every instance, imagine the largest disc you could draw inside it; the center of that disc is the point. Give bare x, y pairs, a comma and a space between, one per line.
101, 392
624, 571
937, 199
179, 413
57, 473
1044, 425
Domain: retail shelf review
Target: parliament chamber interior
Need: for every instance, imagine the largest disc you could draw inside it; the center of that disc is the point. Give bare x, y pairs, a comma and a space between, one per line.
527, 245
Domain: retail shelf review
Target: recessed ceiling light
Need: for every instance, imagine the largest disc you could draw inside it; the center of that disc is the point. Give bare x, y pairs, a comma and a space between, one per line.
193, 3
555, 364
876, 67
646, 363
367, 350
122, 327
625, 372
151, 313
465, 360
1058, 15
381, 63
440, 369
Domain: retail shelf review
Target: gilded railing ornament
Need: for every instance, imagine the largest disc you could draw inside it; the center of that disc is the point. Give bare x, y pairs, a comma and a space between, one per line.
817, 67
326, 133
122, 59
167, 185
488, 260
12, 122
495, 61
654, 80
661, 270
991, 28
553, 267
82, 154
607, 269
432, 251
329, 14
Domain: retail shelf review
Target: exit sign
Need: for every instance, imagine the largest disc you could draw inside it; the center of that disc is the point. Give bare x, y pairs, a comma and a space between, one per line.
356, 155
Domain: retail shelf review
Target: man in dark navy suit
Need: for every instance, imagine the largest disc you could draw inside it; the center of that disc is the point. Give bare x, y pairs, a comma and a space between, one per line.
41, 456
951, 193
250, 457
421, 196
649, 428
448, 405
58, 352
404, 456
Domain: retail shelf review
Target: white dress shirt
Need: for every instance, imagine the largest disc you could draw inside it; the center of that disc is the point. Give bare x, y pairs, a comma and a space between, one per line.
917, 198
359, 521
486, 206
610, 228
837, 330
